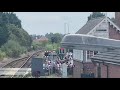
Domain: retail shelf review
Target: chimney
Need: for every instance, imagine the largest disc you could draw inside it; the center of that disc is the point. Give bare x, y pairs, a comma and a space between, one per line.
117, 18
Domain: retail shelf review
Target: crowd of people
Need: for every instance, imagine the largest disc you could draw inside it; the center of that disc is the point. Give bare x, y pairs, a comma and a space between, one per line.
55, 66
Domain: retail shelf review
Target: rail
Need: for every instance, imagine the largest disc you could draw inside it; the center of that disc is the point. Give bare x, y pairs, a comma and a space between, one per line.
22, 61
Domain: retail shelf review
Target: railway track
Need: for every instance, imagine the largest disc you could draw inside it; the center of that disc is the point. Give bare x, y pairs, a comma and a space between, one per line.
21, 63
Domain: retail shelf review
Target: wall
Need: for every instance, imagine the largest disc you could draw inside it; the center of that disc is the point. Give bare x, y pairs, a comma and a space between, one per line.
114, 71
102, 26
103, 71
89, 67
78, 69
113, 33
117, 18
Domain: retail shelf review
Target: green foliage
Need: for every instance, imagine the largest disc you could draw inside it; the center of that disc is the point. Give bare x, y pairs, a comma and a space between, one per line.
36, 45
58, 37
2, 55
54, 41
14, 40
4, 34
49, 36
49, 47
95, 15
9, 18
13, 49
11, 29
18, 34
53, 46
54, 38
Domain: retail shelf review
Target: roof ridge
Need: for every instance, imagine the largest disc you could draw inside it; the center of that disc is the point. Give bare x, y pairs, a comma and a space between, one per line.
96, 18
114, 22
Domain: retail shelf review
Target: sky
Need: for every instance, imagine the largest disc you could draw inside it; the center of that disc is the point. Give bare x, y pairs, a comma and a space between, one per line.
40, 23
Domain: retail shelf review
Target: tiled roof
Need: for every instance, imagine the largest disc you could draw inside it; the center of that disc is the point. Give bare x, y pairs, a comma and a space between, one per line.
89, 25
111, 57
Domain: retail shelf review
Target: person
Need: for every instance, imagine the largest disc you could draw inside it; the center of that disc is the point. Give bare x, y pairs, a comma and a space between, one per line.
43, 66
53, 67
46, 54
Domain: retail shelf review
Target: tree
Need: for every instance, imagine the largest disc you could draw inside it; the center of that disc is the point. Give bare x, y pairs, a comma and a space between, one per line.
9, 18
2, 55
14, 40
49, 36
95, 15
37, 45
20, 35
11, 29
58, 37
13, 49
54, 38
4, 34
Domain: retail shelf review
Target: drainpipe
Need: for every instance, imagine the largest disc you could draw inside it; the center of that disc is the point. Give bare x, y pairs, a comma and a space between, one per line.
99, 71
83, 67
107, 69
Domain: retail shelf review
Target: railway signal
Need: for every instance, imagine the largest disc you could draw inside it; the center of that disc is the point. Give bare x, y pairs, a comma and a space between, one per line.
62, 52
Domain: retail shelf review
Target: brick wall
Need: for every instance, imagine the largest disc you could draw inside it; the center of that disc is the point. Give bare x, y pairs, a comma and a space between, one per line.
114, 71
103, 71
89, 67
113, 33
78, 69
117, 18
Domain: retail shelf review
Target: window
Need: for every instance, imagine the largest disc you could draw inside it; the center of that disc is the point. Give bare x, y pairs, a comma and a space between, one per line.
78, 54
95, 52
90, 54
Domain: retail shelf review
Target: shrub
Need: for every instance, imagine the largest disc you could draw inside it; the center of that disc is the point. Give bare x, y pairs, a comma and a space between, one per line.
2, 55
13, 49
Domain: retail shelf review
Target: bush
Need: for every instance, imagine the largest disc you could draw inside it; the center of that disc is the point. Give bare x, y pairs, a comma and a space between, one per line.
37, 45
2, 55
53, 46
13, 49
49, 47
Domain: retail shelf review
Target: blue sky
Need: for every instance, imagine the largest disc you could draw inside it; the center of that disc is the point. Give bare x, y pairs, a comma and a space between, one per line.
40, 23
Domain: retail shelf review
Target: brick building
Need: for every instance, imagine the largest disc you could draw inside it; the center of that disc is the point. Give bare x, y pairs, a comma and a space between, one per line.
107, 64
100, 27
41, 39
